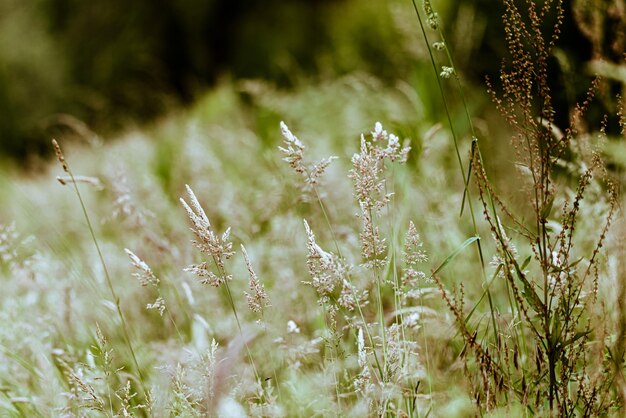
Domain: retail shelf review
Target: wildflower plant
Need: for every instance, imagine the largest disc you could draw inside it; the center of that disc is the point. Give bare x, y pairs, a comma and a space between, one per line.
539, 353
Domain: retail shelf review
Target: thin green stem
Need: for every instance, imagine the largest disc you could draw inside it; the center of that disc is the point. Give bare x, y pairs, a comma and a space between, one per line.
245, 342
108, 280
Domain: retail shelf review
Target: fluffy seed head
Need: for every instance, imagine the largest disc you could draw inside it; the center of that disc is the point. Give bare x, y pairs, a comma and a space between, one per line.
209, 243
257, 298
144, 273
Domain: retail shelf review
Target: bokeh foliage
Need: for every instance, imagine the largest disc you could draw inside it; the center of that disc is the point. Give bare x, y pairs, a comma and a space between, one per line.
112, 63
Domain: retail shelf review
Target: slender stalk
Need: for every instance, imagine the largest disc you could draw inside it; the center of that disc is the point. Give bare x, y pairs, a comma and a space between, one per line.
109, 282
245, 342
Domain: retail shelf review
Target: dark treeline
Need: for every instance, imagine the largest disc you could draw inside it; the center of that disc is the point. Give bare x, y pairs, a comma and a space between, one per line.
107, 63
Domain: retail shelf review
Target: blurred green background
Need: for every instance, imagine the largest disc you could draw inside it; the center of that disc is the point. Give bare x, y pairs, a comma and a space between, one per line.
72, 67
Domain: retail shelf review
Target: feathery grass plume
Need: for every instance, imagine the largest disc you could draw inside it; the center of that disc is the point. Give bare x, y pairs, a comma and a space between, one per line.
324, 267
369, 190
105, 355
373, 246
351, 298
328, 274
144, 273
209, 373
125, 394
367, 175
265, 401
257, 299
413, 255
90, 383
219, 248
84, 392
146, 277
294, 155
198, 383
184, 402
404, 366
369, 187
363, 382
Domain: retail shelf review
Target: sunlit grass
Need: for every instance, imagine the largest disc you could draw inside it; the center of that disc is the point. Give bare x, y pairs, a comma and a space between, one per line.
377, 302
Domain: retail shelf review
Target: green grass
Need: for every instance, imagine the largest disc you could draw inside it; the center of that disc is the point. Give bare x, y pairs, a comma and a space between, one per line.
79, 340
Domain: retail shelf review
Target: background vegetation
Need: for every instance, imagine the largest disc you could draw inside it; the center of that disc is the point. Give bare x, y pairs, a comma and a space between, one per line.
110, 65
146, 98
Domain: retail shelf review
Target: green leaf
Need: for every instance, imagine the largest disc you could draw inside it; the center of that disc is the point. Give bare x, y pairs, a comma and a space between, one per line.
576, 337
454, 254
526, 262
547, 208
529, 292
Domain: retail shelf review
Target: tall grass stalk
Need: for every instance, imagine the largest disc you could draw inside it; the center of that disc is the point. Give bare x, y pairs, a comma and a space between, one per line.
219, 249
434, 24
116, 300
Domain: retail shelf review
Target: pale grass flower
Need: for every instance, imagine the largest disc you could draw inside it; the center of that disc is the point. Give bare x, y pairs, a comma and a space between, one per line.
219, 248
292, 327
361, 349
325, 268
294, 150
351, 298
158, 305
146, 277
373, 246
363, 382
265, 401
366, 174
257, 298
294, 155
402, 357
210, 368
378, 134
368, 179
319, 169
413, 256
446, 72
144, 273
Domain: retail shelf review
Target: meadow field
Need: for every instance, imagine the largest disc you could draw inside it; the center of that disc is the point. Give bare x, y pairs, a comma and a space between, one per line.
347, 247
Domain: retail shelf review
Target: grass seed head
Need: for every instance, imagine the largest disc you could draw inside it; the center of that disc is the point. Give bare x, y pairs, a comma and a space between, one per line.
257, 299
209, 243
